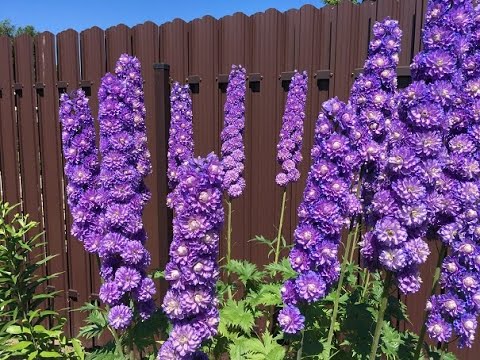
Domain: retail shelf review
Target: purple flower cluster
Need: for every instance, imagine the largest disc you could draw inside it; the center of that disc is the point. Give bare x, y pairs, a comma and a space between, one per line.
289, 148
191, 302
416, 196
455, 311
125, 164
180, 142
373, 99
81, 169
233, 149
328, 203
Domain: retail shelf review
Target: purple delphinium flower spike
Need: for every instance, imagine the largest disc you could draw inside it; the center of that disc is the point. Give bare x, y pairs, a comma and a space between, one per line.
125, 164
191, 301
456, 310
180, 142
328, 203
373, 99
81, 169
289, 148
233, 148
415, 187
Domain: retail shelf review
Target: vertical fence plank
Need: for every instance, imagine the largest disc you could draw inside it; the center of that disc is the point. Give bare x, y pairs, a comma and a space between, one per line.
390, 8
93, 60
28, 135
146, 48
79, 281
267, 49
174, 48
52, 168
118, 41
203, 61
10, 167
234, 41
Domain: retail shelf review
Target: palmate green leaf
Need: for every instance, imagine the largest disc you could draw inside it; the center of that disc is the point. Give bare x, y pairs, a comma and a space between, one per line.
235, 315
245, 270
106, 352
78, 349
283, 268
267, 295
391, 340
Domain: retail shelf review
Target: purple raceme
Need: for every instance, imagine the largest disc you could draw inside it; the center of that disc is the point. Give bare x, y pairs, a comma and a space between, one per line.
456, 310
180, 142
373, 99
289, 148
328, 203
81, 169
125, 164
233, 148
191, 301
416, 196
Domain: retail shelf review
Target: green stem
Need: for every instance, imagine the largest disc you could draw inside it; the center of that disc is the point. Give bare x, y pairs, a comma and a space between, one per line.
355, 241
229, 245
336, 302
118, 343
381, 315
300, 350
280, 225
436, 278
366, 282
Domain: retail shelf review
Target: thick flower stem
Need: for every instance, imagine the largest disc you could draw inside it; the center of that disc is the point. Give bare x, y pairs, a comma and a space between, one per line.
229, 243
280, 226
381, 315
328, 346
436, 278
118, 342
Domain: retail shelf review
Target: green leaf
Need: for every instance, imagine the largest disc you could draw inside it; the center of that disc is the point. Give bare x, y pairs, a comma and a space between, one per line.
235, 314
77, 347
50, 354
246, 271
19, 346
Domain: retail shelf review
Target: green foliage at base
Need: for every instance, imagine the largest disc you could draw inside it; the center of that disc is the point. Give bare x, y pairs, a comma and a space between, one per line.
29, 329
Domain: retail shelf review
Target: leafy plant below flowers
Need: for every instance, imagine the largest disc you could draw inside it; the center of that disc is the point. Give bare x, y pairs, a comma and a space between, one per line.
24, 333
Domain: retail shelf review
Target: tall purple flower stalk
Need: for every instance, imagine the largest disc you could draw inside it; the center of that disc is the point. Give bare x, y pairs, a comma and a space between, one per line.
233, 148
328, 203
456, 310
289, 148
192, 272
373, 100
414, 194
180, 142
125, 164
81, 169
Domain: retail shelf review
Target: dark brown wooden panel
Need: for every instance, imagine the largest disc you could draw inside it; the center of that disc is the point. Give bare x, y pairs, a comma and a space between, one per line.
10, 167
234, 48
79, 281
118, 41
203, 61
174, 48
51, 164
29, 154
266, 118
146, 48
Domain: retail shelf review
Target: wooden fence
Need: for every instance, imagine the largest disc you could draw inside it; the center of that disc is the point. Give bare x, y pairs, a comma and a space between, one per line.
330, 43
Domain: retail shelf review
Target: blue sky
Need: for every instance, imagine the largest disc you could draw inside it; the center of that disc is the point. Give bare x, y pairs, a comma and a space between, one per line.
58, 15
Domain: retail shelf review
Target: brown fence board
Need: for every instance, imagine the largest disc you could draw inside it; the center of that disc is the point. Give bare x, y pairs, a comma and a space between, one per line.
174, 48
118, 41
267, 40
146, 48
51, 165
203, 60
29, 154
234, 41
79, 281
10, 167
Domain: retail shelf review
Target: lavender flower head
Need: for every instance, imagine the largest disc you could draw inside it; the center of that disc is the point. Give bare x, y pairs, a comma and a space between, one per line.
456, 310
328, 202
233, 148
81, 168
180, 142
125, 164
191, 302
289, 148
